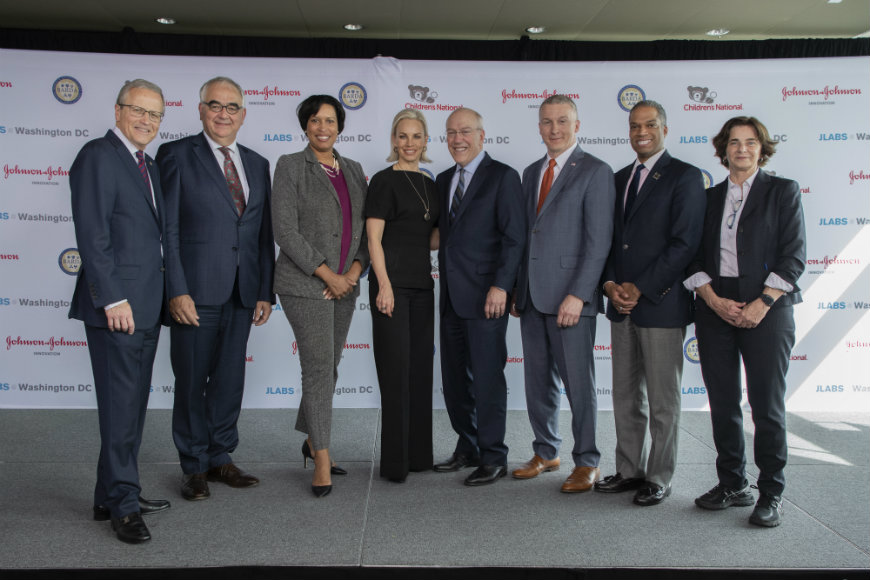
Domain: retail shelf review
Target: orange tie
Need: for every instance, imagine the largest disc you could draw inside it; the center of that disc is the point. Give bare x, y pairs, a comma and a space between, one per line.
546, 183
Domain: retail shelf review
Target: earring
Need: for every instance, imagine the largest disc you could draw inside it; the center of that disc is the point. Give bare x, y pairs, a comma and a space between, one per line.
395, 149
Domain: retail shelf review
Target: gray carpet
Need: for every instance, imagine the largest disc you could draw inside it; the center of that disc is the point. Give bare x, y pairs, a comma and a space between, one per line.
47, 464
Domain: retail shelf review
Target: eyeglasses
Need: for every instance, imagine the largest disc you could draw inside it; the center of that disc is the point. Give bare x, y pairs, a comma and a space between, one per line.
464, 132
140, 112
216, 107
735, 207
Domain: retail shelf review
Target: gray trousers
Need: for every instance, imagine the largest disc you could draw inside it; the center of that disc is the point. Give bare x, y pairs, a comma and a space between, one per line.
647, 369
320, 327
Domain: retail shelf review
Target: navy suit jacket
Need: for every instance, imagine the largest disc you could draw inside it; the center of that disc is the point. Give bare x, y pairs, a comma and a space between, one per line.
653, 246
206, 240
484, 245
118, 233
771, 237
569, 238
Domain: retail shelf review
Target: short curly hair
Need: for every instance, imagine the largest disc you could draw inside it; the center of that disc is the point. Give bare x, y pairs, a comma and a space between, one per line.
309, 107
720, 141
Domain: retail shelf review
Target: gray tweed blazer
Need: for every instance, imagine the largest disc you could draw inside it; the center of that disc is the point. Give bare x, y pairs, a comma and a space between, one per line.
306, 219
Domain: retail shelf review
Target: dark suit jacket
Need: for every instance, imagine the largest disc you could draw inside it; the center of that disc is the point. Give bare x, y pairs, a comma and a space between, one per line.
484, 245
654, 245
118, 233
206, 240
570, 238
770, 237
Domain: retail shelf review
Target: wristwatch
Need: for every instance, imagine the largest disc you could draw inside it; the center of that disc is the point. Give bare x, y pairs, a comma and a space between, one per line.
767, 299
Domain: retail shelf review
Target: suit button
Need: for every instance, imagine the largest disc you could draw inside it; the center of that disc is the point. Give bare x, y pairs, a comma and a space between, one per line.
162, 269
624, 246
235, 249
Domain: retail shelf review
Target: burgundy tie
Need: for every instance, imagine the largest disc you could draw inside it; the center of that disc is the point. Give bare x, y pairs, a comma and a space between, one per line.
233, 181
140, 157
546, 183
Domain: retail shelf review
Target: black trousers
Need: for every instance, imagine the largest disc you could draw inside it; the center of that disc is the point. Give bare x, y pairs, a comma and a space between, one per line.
404, 349
765, 351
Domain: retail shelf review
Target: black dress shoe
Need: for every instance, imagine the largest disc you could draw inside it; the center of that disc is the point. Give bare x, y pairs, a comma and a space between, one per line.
486, 474
146, 506
321, 490
131, 529
617, 484
456, 462
721, 497
767, 512
651, 494
195, 487
231, 475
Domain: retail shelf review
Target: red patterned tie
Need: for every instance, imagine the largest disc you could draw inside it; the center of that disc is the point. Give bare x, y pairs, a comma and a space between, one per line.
233, 181
140, 158
546, 183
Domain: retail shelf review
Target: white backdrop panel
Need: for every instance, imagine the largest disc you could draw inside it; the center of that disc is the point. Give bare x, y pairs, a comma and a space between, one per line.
816, 108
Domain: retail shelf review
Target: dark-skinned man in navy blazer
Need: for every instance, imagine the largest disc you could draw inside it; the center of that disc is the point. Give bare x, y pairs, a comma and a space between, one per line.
117, 210
220, 257
657, 225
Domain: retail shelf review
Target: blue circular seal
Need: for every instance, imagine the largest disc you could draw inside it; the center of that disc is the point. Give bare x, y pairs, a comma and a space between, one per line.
67, 90
70, 261
708, 179
690, 350
353, 96
628, 96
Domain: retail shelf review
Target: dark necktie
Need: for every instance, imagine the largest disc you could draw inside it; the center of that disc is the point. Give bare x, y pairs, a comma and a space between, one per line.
233, 181
632, 191
457, 195
546, 183
143, 169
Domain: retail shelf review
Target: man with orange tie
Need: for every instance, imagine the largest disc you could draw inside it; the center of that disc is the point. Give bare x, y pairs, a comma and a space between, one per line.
569, 200
220, 258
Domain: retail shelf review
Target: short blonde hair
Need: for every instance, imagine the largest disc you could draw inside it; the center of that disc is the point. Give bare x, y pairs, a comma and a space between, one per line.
414, 115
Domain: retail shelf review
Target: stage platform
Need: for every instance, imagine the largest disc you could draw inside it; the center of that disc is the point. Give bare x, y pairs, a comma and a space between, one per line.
432, 526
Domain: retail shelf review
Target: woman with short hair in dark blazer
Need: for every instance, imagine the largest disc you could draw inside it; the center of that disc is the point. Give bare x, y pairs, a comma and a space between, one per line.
745, 277
318, 199
401, 224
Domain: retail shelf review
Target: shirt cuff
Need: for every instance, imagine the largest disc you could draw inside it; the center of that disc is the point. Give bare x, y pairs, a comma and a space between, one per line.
113, 304
774, 281
695, 281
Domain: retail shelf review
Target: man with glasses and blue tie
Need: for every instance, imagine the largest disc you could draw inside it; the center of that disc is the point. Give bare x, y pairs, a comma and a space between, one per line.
118, 214
657, 226
220, 258
482, 231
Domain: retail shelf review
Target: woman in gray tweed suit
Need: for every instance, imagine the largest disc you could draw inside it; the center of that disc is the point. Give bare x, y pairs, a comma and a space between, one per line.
317, 213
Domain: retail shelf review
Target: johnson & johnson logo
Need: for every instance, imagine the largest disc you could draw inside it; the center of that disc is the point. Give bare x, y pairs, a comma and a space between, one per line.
51, 342
827, 92
49, 172
859, 176
513, 95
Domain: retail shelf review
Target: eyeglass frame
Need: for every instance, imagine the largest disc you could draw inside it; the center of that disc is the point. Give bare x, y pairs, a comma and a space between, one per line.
466, 133
139, 112
216, 107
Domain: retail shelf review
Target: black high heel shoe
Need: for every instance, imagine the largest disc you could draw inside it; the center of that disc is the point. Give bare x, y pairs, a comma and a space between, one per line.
321, 490
306, 455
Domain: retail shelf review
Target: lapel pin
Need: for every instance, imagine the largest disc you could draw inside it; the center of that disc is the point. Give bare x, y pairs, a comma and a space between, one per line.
656, 175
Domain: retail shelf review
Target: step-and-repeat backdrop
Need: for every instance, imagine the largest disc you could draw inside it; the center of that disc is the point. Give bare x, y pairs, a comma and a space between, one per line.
53, 103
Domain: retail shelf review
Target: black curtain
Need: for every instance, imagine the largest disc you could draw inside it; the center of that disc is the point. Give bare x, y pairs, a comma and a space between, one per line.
128, 41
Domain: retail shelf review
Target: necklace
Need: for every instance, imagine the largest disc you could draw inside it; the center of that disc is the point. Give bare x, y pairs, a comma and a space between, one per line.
334, 170
426, 215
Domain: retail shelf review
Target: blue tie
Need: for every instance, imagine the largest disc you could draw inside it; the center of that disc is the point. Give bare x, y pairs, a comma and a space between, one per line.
457, 195
632, 191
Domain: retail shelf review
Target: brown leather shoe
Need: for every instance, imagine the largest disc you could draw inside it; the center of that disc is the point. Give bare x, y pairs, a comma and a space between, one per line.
581, 479
535, 467
231, 475
194, 487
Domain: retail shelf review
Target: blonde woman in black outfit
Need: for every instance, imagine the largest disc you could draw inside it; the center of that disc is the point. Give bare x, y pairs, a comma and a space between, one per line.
401, 224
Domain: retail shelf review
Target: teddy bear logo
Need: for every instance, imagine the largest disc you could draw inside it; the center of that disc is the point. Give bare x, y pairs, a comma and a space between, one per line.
701, 94
422, 94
